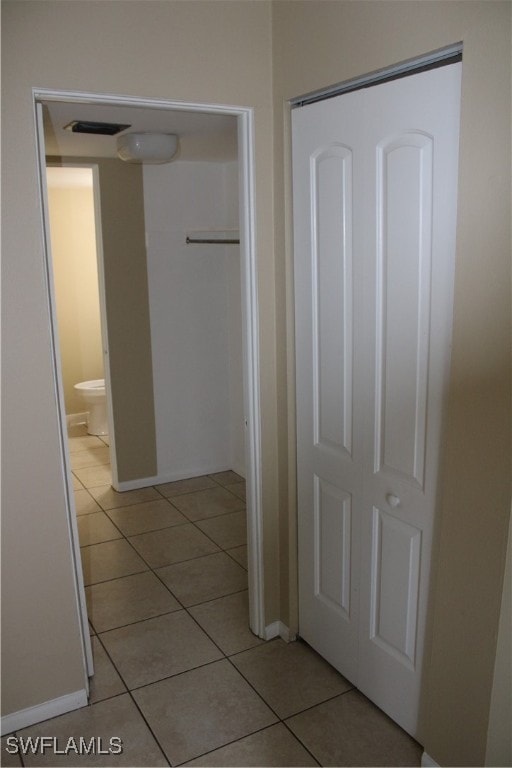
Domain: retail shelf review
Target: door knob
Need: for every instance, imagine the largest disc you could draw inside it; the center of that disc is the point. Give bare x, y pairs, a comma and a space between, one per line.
392, 500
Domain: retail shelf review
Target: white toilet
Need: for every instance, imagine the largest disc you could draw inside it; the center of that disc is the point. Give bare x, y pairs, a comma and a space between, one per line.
93, 393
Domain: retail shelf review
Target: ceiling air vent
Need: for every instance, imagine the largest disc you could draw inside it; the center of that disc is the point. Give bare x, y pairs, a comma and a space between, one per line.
100, 129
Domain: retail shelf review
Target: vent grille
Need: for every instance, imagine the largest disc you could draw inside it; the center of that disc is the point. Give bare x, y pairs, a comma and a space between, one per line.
100, 129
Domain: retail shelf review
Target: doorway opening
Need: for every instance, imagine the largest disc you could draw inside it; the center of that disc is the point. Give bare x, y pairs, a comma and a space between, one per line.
76, 248
200, 128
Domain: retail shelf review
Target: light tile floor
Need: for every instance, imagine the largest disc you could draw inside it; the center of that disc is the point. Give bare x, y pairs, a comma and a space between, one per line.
179, 677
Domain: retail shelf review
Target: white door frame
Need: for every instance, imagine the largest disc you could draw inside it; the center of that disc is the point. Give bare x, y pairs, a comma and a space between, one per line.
251, 366
78, 580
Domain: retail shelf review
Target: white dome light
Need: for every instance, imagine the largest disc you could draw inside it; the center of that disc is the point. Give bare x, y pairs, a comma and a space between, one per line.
153, 148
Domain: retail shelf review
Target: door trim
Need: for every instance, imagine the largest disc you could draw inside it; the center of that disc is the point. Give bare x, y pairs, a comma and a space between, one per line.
249, 289
78, 577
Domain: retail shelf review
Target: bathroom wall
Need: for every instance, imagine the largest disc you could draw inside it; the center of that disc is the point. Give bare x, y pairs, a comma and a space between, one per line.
73, 236
195, 309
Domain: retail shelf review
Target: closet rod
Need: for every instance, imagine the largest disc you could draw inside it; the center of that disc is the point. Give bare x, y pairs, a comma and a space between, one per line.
193, 240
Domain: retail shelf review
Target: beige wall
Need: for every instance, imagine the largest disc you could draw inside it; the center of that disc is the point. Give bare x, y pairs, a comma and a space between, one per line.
318, 44
73, 235
499, 735
128, 322
208, 52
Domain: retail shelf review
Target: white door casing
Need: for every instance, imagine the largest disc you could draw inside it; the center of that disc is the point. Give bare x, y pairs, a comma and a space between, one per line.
250, 308
375, 189
78, 579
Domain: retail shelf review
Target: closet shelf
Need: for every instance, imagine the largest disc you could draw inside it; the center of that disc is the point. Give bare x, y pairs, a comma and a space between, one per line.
214, 237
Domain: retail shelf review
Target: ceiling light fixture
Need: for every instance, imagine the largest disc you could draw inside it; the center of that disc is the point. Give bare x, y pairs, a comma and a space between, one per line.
152, 148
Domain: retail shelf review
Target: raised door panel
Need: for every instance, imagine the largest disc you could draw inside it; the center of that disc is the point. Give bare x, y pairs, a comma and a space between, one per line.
331, 238
332, 546
404, 251
395, 566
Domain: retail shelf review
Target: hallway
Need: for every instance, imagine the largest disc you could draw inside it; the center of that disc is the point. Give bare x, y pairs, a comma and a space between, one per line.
179, 677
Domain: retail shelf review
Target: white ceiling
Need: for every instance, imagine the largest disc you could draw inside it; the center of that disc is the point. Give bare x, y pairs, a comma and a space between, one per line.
202, 136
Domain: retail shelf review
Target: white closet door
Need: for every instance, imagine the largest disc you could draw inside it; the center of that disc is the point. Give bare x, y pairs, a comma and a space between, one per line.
375, 182
330, 449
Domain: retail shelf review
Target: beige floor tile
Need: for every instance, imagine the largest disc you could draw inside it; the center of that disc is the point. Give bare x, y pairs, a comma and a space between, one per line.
83, 443
107, 498
240, 555
93, 476
290, 676
186, 486
202, 710
350, 730
126, 600
274, 746
95, 528
91, 457
204, 578
172, 545
84, 503
227, 478
209, 503
10, 756
226, 621
227, 531
78, 430
114, 717
110, 560
238, 489
105, 439
156, 648
148, 516
105, 682
77, 485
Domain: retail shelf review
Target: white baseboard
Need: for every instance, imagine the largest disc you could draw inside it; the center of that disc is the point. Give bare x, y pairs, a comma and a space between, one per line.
428, 762
25, 717
75, 419
278, 629
171, 477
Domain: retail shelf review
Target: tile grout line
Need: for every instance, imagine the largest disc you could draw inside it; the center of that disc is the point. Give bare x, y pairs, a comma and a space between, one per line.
151, 570
129, 692
187, 521
183, 607
225, 656
235, 741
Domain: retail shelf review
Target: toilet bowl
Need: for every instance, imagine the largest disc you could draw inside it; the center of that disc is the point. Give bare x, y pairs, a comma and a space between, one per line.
93, 394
